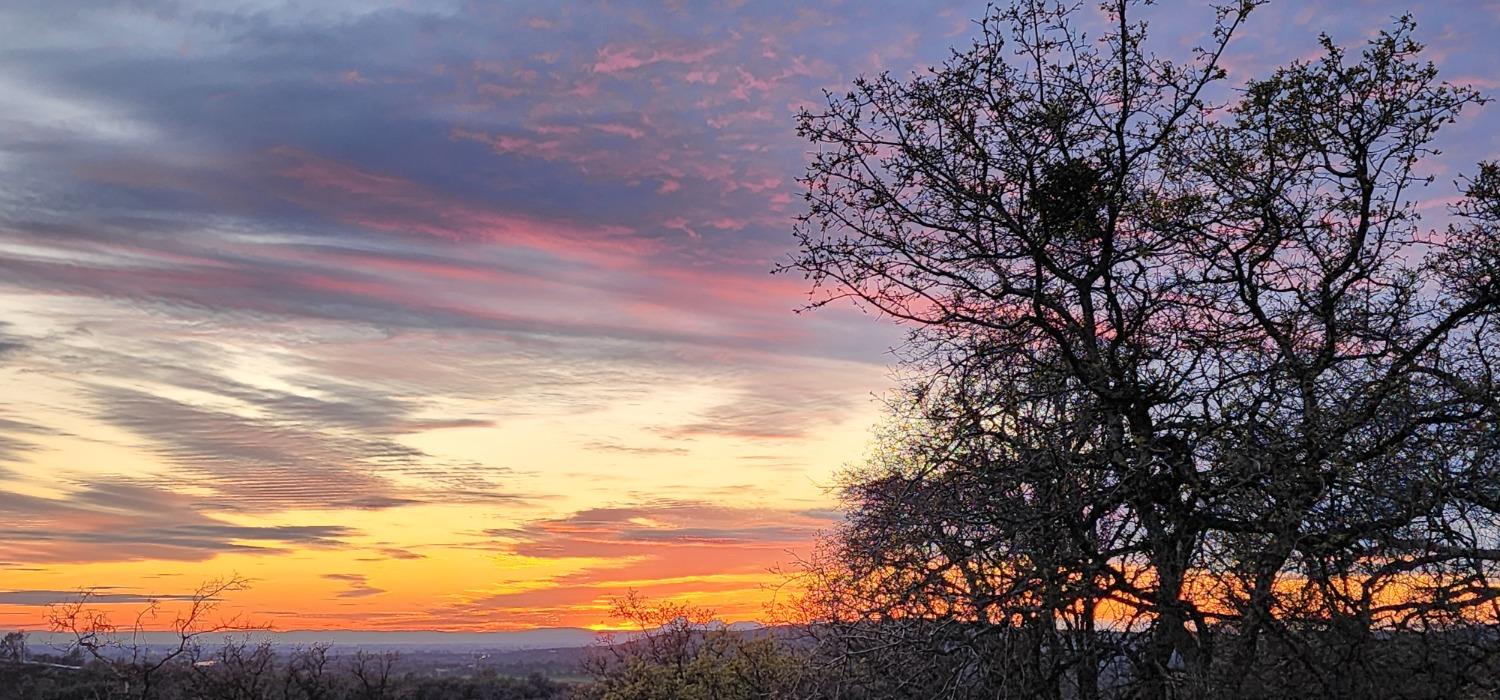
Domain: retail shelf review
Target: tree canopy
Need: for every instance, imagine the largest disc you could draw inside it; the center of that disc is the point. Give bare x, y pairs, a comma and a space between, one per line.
1190, 388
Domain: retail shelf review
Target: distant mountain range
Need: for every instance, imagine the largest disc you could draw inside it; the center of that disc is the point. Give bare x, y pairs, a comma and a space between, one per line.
551, 638
547, 638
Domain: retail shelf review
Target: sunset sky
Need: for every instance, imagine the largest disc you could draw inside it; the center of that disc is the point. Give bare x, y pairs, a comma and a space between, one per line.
457, 315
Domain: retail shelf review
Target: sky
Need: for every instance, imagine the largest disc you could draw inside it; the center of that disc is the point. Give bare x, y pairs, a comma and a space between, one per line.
458, 315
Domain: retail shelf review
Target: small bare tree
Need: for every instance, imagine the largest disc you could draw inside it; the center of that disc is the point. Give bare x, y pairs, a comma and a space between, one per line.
13, 647
125, 651
373, 674
307, 675
236, 669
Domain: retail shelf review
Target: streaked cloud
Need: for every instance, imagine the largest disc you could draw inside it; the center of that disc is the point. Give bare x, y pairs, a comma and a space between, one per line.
358, 586
120, 520
95, 596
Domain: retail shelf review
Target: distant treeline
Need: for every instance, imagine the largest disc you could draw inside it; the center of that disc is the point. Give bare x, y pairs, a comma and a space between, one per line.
237, 671
682, 653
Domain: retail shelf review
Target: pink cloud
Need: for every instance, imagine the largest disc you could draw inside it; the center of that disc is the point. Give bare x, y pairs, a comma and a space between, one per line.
621, 130
391, 203
617, 59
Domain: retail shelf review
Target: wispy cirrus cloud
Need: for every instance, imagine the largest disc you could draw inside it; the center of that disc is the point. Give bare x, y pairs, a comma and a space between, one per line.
121, 521
18, 437
261, 463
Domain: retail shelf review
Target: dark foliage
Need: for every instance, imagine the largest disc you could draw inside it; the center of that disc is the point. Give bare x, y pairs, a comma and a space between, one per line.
236, 670
1195, 405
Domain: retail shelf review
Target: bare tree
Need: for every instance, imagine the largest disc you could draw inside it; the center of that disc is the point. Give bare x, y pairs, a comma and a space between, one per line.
372, 674
13, 647
126, 651
307, 674
1189, 381
234, 670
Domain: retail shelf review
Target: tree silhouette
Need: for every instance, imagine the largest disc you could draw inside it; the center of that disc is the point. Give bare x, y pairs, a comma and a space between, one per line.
1195, 403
